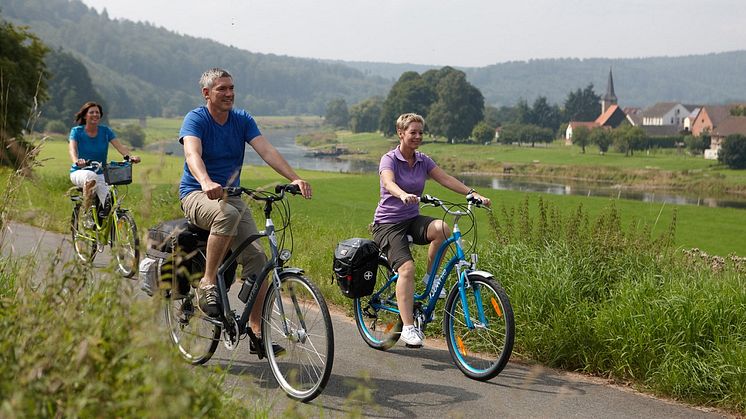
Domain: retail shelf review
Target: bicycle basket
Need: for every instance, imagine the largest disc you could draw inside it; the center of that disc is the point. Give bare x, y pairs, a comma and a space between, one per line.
355, 267
116, 173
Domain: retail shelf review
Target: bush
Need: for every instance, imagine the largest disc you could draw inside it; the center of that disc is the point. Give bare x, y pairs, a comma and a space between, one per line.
132, 134
733, 151
79, 347
597, 297
57, 127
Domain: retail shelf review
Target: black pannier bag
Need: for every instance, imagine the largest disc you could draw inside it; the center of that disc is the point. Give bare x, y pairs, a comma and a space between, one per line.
176, 247
355, 266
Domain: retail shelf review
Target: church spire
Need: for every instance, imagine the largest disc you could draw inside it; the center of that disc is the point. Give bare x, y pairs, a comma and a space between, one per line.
609, 98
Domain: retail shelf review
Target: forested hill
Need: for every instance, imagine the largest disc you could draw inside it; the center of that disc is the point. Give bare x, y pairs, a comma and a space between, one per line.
143, 70
641, 82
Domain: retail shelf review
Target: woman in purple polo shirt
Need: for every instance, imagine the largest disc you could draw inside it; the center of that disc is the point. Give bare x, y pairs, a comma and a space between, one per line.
403, 172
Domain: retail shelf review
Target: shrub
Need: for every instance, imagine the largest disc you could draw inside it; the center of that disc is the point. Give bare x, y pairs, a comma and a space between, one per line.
132, 134
83, 348
733, 151
57, 127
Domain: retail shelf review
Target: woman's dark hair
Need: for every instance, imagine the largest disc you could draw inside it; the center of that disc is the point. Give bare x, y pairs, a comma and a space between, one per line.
80, 116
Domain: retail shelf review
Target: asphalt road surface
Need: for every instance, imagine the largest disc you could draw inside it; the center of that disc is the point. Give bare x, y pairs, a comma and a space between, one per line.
405, 382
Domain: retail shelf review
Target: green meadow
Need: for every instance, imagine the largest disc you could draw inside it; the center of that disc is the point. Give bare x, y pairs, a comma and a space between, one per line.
647, 294
153, 196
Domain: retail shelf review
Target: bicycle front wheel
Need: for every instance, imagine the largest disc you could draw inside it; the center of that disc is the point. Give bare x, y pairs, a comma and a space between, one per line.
125, 243
194, 334
299, 321
482, 350
376, 316
83, 234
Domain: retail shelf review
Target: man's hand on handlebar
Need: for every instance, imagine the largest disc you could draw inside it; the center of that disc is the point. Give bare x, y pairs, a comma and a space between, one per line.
305, 188
212, 190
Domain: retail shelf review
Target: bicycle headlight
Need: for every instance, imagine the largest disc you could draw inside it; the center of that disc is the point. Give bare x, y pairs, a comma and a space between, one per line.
285, 255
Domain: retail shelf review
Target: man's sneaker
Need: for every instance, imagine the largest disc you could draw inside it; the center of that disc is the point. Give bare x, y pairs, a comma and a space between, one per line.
277, 349
411, 337
207, 300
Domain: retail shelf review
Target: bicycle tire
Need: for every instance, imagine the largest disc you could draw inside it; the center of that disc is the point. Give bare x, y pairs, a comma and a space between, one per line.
84, 239
380, 328
191, 331
306, 365
125, 243
480, 353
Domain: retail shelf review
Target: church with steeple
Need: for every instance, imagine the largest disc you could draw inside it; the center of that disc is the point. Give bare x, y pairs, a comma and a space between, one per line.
610, 97
611, 114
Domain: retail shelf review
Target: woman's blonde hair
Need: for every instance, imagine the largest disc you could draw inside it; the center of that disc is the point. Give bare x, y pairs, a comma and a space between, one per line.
402, 123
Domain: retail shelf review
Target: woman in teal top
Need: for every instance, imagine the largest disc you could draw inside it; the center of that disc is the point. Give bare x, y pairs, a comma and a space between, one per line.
89, 140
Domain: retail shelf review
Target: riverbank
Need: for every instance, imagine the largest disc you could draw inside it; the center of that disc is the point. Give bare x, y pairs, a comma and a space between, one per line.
659, 169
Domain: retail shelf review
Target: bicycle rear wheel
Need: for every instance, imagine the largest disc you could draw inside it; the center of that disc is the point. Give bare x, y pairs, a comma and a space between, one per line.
125, 243
376, 316
194, 334
83, 236
483, 351
304, 368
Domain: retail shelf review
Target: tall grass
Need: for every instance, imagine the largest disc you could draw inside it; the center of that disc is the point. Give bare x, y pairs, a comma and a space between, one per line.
589, 295
78, 347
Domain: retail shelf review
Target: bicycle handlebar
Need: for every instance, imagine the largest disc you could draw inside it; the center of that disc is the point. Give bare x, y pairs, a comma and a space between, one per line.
95, 165
437, 202
253, 193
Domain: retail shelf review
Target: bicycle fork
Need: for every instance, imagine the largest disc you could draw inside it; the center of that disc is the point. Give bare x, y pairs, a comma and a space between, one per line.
463, 285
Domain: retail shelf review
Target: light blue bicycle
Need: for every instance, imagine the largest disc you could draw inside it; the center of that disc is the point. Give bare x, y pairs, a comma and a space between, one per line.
477, 321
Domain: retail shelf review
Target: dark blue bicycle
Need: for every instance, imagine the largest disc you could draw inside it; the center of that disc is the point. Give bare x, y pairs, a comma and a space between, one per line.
478, 319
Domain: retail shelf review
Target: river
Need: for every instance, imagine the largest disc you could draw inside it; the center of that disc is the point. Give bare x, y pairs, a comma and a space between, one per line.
297, 156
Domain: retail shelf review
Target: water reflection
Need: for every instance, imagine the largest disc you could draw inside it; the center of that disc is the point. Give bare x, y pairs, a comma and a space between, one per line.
284, 141
598, 189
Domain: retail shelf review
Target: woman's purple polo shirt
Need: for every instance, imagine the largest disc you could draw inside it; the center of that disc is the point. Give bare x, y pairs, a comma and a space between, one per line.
391, 209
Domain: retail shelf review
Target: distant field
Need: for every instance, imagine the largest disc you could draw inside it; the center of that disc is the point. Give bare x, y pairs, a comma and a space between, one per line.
154, 197
167, 129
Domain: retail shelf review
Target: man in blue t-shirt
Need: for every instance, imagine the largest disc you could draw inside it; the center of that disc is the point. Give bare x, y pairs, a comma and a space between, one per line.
214, 138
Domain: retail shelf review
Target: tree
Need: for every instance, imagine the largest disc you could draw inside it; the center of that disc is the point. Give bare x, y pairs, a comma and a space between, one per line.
545, 115
459, 107
627, 139
23, 85
602, 138
365, 115
697, 144
411, 93
70, 87
132, 134
733, 151
337, 114
581, 136
483, 132
582, 105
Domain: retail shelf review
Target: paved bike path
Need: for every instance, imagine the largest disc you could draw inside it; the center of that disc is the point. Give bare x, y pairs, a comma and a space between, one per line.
406, 382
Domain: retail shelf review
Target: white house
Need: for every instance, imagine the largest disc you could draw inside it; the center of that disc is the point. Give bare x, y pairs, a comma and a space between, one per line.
666, 113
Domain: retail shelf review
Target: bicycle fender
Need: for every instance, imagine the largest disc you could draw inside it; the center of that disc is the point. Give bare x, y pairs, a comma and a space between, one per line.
291, 270
483, 274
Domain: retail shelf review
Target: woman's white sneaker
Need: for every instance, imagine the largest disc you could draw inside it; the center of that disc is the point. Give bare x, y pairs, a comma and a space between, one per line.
411, 337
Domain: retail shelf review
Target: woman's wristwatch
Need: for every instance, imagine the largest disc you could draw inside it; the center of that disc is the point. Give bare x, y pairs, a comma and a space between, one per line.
471, 191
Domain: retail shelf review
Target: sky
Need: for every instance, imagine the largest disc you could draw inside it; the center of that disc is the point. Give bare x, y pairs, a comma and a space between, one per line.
463, 33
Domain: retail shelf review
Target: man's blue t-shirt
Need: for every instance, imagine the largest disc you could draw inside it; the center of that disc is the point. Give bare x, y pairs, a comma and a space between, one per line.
223, 146
92, 148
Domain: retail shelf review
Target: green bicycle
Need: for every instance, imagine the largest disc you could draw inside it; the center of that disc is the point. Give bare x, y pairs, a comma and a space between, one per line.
97, 225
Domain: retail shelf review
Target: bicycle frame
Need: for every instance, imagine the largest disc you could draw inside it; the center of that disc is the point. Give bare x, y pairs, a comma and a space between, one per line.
432, 290
274, 264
